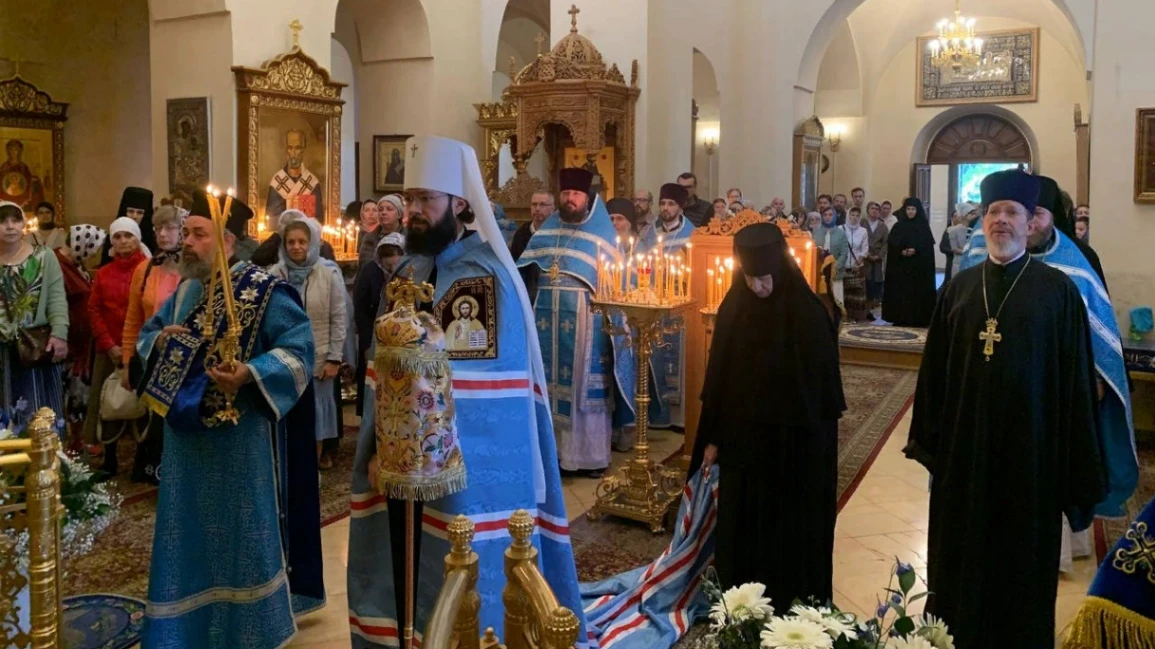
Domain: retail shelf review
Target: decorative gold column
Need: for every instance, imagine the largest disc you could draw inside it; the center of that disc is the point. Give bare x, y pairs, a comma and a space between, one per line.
643, 490
533, 617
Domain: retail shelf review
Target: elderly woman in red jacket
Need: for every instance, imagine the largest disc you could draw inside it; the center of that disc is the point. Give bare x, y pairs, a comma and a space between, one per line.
107, 307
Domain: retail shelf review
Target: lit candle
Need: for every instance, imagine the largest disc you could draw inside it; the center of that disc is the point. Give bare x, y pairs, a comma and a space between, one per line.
709, 288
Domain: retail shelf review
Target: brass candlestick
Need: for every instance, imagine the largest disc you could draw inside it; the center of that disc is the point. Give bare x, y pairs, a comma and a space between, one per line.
643, 490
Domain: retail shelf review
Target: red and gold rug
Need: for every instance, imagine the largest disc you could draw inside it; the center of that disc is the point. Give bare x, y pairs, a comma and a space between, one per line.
876, 400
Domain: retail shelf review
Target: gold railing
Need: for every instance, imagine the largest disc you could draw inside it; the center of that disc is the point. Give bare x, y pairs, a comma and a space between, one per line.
533, 617
35, 459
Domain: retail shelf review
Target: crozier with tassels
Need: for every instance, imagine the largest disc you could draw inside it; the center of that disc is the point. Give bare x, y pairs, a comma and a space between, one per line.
418, 452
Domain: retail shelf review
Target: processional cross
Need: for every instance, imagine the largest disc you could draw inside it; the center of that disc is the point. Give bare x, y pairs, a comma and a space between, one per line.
990, 337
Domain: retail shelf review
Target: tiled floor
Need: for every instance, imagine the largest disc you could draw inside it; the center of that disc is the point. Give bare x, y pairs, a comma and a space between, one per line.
886, 518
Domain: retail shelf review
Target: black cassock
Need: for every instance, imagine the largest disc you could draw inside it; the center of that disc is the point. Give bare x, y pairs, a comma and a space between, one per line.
771, 403
1011, 445
909, 294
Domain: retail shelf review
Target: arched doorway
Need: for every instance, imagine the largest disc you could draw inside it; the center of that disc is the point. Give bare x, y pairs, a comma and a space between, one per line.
960, 154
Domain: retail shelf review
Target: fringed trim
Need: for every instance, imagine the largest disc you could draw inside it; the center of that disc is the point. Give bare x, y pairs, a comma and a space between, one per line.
422, 488
412, 362
154, 405
1103, 624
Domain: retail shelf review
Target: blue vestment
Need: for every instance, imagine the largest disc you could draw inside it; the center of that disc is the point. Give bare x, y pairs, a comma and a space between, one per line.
499, 408
669, 358
584, 365
1116, 432
237, 550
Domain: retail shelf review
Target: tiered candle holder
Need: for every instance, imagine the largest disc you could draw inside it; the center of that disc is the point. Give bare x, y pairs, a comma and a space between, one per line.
643, 490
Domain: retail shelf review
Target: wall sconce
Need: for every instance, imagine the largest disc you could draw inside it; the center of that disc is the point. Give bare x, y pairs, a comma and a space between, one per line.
834, 137
710, 139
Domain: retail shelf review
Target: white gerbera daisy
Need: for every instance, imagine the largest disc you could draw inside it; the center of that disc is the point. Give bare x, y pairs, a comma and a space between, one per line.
912, 642
840, 624
935, 631
808, 613
794, 633
742, 603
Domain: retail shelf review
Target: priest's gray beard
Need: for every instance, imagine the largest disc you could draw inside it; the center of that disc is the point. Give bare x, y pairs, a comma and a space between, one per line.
193, 267
1005, 250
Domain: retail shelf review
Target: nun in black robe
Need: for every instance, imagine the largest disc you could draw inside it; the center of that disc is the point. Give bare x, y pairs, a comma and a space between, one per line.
777, 448
1010, 441
910, 292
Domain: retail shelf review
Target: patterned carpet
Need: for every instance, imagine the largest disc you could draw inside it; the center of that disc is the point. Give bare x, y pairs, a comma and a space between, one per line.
1108, 531
903, 339
876, 400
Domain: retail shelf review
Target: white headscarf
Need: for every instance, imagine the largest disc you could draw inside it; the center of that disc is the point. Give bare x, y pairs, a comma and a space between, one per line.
125, 224
451, 167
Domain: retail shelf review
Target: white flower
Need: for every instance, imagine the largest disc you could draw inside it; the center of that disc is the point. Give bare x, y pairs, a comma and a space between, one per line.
794, 633
809, 613
913, 642
935, 631
836, 623
745, 602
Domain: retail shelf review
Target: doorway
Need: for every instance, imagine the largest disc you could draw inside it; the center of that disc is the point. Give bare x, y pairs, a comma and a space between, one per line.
961, 154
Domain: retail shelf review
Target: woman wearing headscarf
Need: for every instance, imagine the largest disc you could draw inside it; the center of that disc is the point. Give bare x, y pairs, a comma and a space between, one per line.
368, 291
391, 214
153, 282
32, 298
909, 296
269, 252
832, 239
778, 453
135, 204
83, 241
323, 294
107, 309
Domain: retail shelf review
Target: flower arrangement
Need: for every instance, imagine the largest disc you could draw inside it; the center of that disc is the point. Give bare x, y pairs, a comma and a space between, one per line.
89, 508
743, 618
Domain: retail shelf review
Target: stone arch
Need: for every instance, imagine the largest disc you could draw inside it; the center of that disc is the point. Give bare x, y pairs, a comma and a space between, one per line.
839, 11
987, 123
708, 100
389, 30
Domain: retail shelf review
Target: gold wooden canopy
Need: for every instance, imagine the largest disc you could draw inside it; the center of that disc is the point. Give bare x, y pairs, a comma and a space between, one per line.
570, 100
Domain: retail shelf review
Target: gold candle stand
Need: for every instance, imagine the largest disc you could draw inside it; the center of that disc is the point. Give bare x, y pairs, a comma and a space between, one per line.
643, 490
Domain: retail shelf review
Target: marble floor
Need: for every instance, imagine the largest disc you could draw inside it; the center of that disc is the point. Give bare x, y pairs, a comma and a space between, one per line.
886, 518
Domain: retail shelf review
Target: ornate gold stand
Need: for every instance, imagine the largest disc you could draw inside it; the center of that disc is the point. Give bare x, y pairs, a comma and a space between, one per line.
643, 490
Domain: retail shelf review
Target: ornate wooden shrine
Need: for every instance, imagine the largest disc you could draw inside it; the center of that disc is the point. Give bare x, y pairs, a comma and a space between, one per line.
712, 244
32, 133
570, 102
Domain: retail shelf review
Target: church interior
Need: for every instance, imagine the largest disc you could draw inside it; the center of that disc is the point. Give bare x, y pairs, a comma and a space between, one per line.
784, 100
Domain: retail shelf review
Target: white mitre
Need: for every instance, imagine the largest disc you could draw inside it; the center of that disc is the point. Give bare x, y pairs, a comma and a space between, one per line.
443, 165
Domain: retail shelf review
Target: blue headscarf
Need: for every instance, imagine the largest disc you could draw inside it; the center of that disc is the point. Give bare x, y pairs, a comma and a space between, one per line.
294, 272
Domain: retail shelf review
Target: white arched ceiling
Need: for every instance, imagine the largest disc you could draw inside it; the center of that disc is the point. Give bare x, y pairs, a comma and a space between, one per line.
884, 27
517, 40
706, 89
839, 87
389, 30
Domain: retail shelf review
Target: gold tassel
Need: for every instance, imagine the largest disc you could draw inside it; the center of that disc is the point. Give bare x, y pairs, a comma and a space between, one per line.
424, 488
1103, 624
412, 362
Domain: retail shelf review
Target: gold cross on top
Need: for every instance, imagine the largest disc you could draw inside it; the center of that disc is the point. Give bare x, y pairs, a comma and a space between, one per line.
296, 26
539, 39
573, 12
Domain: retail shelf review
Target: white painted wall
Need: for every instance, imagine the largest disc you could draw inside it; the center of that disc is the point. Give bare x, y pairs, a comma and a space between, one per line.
342, 71
1121, 230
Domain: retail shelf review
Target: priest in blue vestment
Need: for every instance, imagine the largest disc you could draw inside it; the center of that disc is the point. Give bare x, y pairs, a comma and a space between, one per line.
673, 232
590, 373
237, 550
501, 399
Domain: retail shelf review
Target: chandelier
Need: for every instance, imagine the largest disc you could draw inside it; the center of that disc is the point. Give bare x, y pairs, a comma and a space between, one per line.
956, 46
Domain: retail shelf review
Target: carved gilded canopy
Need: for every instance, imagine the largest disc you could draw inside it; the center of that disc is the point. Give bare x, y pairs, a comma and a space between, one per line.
33, 124
291, 93
572, 87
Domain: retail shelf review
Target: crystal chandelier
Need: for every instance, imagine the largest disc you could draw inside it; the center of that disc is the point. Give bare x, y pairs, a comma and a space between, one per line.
956, 46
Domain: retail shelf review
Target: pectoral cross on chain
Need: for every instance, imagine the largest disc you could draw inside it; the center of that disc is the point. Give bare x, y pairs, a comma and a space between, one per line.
554, 272
990, 337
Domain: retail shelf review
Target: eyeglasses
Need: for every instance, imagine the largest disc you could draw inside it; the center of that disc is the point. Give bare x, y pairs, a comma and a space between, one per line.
423, 198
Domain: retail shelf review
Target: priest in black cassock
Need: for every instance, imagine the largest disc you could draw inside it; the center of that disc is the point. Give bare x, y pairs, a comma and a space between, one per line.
1004, 420
777, 453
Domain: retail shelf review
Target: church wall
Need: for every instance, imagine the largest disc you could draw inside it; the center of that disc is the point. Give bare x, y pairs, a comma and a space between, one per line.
394, 98
259, 34
197, 65
106, 138
876, 152
1122, 231
342, 70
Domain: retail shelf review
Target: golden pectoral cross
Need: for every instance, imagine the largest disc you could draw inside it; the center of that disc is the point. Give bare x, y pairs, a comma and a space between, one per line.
990, 337
554, 272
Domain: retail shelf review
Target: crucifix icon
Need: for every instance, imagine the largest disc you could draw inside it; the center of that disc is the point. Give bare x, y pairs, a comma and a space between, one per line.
989, 338
539, 40
296, 26
414, 149
573, 12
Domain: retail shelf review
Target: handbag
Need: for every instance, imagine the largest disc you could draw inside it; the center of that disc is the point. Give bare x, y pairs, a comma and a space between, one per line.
31, 342
118, 404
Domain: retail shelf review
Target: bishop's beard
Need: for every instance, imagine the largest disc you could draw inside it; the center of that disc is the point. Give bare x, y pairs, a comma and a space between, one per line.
431, 239
193, 267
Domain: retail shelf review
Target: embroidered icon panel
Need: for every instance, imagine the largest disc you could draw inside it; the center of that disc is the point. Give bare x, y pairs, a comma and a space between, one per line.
468, 315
